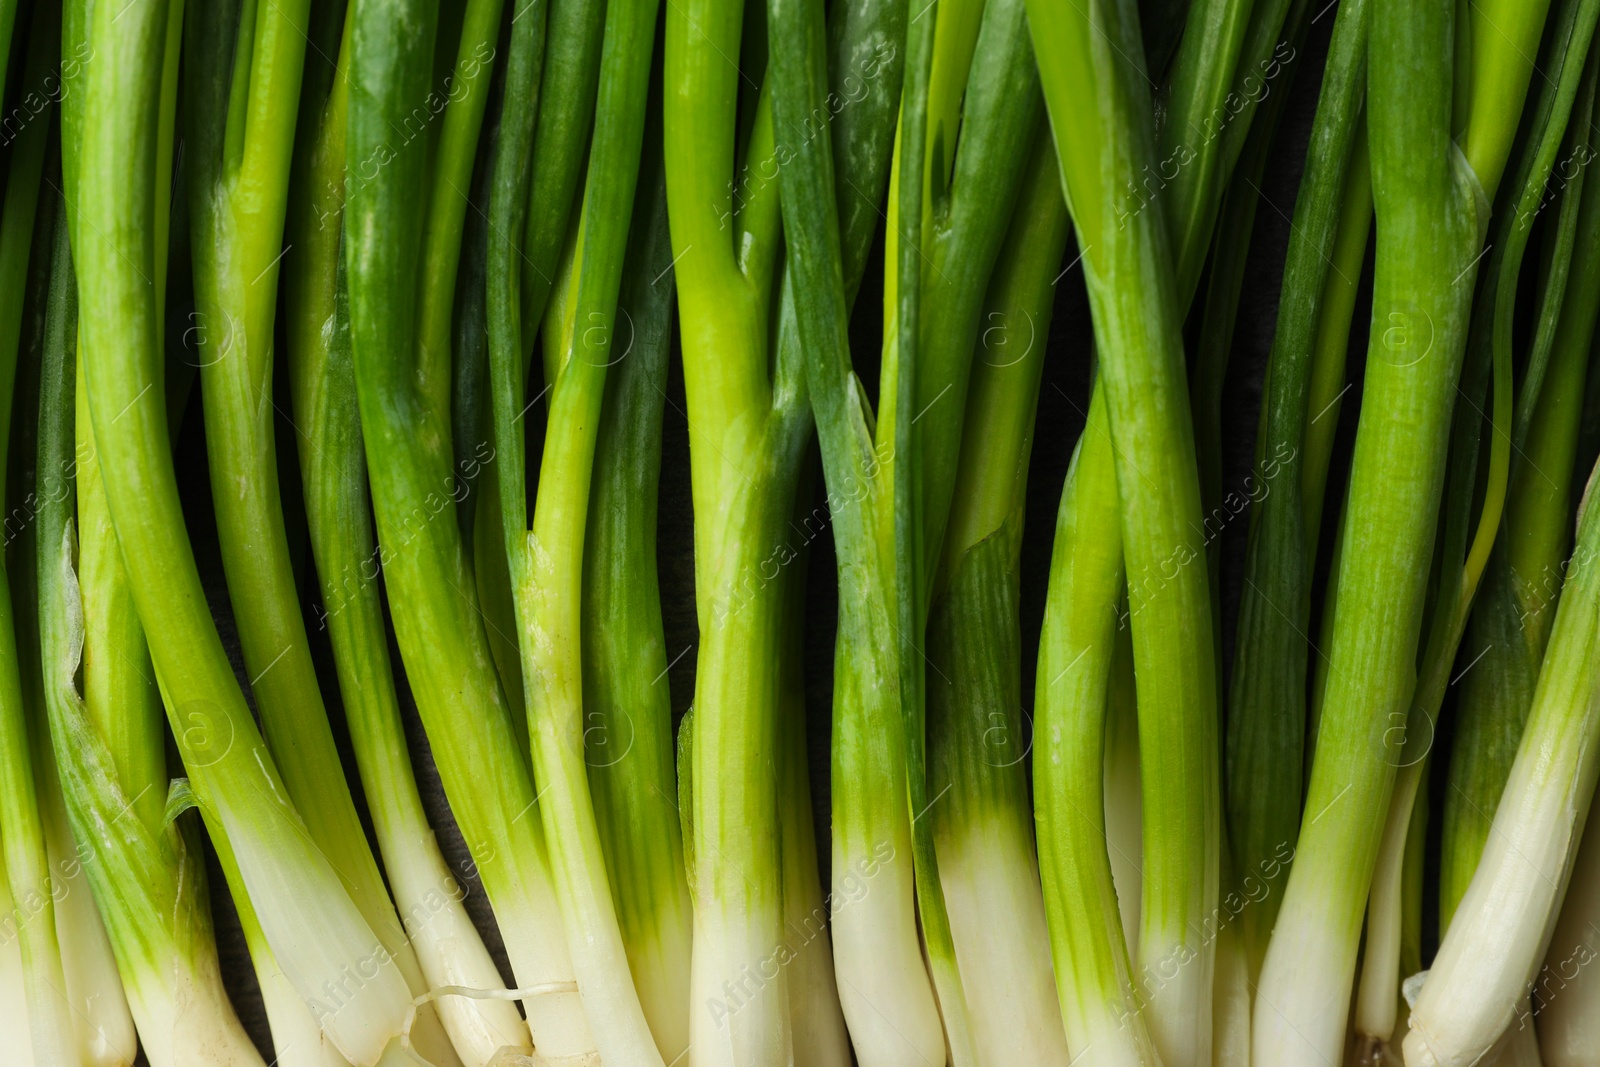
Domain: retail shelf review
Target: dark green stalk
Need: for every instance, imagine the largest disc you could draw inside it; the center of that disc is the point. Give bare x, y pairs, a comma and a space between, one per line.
1188, 172
1331, 338
1266, 707
571, 73
1230, 249
1162, 23
8, 20
566, 96
965, 221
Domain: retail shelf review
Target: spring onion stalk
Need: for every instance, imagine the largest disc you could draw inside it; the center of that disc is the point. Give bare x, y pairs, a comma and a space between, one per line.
1556, 253
118, 686
627, 716
817, 1023
93, 989
1236, 221
1162, 23
1231, 999
51, 1025
1325, 402
113, 634
8, 19
316, 932
1330, 592
1249, 884
751, 422
627, 707
393, 223
1123, 803
449, 950
879, 751
1099, 999
1498, 935
1229, 251
565, 87
1232, 995
99, 1007
145, 871
865, 82
893, 1010
566, 98
298, 1039
1194, 107
1331, 344
749, 428
1565, 984
982, 826
1463, 552
1568, 991
473, 433
547, 561
1512, 622
105, 1025
1189, 201
244, 80
1266, 721
1410, 933
13, 974
36, 893
13, 995
1431, 200
980, 80
14, 1006
1133, 297
934, 288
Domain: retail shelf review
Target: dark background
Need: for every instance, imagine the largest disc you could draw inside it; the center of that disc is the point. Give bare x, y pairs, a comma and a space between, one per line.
1062, 403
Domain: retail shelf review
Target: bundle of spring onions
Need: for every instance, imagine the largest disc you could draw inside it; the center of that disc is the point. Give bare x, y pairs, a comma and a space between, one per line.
394, 393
